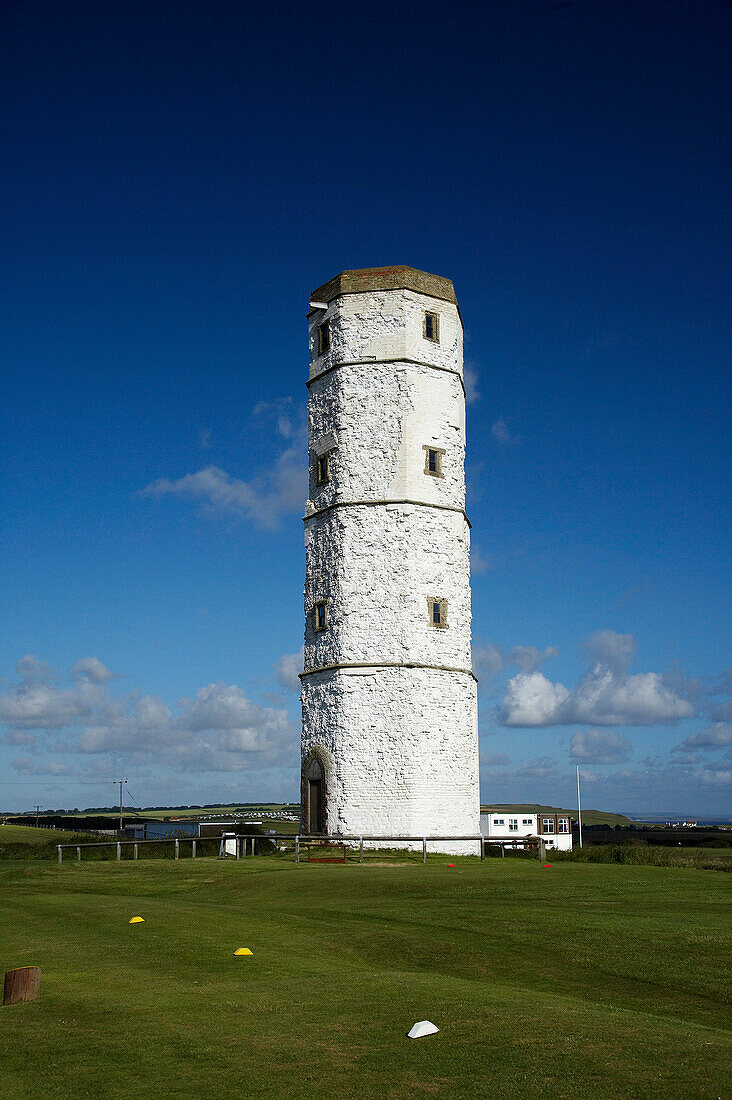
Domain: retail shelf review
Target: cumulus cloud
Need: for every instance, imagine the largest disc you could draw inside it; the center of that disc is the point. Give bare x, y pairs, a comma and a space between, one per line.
606, 696
264, 500
33, 767
599, 747
502, 434
288, 668
716, 736
219, 728
528, 657
92, 669
29, 668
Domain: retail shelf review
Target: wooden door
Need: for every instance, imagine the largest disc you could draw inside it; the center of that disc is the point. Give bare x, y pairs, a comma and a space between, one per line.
315, 805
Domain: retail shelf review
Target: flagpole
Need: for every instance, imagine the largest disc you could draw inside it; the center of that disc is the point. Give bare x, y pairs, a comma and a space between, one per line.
579, 808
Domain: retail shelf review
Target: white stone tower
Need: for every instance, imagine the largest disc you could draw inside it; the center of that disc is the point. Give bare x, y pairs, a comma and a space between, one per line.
389, 699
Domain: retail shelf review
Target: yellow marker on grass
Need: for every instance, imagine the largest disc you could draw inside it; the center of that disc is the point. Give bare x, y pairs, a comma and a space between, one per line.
137, 920
243, 951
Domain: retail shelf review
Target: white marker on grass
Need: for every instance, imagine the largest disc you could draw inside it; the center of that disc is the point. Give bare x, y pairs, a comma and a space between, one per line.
423, 1027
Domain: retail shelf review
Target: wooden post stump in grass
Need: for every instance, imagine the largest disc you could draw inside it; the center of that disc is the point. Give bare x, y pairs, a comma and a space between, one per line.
23, 984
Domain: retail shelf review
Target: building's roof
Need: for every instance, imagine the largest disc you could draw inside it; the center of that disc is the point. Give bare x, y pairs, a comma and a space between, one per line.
385, 278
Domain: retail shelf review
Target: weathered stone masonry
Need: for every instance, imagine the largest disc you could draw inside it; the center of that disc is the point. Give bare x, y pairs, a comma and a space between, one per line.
389, 700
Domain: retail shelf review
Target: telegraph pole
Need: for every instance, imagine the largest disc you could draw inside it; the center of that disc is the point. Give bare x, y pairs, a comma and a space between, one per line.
121, 783
38, 810
579, 807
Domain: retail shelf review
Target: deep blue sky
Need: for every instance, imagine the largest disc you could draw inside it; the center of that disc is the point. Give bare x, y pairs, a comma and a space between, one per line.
177, 178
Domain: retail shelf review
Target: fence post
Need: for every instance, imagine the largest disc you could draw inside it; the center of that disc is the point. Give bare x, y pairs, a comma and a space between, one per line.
503, 851
237, 845
297, 849
134, 852
482, 849
177, 847
60, 854
193, 850
119, 851
254, 846
360, 852
78, 854
424, 849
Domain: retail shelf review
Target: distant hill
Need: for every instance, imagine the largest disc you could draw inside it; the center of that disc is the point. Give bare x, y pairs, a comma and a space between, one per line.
589, 817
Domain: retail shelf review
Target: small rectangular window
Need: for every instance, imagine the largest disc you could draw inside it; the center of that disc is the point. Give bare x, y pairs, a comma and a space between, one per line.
431, 327
437, 611
563, 825
433, 460
513, 824
527, 821
320, 615
323, 338
323, 468
548, 824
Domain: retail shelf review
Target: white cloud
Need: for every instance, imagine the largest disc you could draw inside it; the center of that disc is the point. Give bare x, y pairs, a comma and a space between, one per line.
541, 768
502, 434
716, 736
29, 668
606, 696
90, 668
480, 562
494, 760
289, 666
264, 500
470, 378
487, 659
528, 657
218, 728
33, 767
599, 747
611, 650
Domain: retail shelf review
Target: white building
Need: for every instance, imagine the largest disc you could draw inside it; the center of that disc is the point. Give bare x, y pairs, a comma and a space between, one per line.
389, 699
518, 828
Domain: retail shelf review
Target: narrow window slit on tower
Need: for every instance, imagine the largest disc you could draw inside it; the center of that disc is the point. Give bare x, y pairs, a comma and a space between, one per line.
323, 338
323, 468
320, 615
433, 460
437, 612
431, 327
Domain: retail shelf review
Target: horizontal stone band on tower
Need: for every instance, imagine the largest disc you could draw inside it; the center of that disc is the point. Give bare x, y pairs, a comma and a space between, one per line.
373, 503
370, 362
386, 664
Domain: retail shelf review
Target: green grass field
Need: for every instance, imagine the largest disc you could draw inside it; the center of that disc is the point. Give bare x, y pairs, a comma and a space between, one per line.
582, 981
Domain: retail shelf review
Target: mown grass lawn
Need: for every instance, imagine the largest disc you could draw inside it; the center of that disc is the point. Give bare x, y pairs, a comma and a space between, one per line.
582, 981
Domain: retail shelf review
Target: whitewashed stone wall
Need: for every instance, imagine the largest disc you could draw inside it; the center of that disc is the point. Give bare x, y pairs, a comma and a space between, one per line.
399, 744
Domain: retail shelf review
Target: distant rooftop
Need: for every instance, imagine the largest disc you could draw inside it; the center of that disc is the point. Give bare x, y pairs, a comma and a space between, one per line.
385, 278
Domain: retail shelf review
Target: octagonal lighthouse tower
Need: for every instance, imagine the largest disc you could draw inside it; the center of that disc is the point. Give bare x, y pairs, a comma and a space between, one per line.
389, 699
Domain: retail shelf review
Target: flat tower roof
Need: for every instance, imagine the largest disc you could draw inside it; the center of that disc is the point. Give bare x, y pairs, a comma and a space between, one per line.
385, 278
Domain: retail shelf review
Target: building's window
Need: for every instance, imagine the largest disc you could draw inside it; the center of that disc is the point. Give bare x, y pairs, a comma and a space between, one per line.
527, 821
548, 825
320, 615
431, 327
433, 460
498, 821
563, 825
437, 609
323, 468
513, 824
323, 338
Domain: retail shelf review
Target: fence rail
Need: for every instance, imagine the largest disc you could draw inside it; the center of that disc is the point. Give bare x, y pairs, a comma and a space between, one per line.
299, 840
